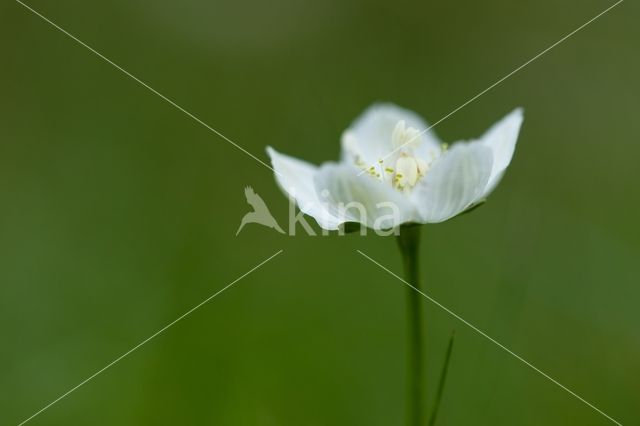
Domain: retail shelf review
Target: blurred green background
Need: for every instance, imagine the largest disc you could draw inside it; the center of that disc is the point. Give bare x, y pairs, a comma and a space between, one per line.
118, 213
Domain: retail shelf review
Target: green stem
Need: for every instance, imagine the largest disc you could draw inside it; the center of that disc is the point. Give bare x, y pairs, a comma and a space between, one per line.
408, 241
443, 379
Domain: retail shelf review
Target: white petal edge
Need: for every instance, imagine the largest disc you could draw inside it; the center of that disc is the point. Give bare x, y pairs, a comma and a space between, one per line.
344, 191
456, 181
296, 178
502, 138
370, 134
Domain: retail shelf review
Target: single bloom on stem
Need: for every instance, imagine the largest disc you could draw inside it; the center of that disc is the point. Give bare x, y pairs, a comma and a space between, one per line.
389, 156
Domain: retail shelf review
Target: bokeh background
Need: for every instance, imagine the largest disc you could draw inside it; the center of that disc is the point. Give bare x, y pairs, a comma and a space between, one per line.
118, 213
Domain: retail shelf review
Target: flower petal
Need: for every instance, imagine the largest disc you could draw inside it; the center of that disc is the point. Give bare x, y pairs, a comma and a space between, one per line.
362, 198
455, 182
369, 137
501, 138
295, 177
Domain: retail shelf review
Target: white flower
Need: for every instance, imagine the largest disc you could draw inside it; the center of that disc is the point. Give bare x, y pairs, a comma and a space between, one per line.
388, 158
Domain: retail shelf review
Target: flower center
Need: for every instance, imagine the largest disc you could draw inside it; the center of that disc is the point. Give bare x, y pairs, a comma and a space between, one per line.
408, 168
405, 137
